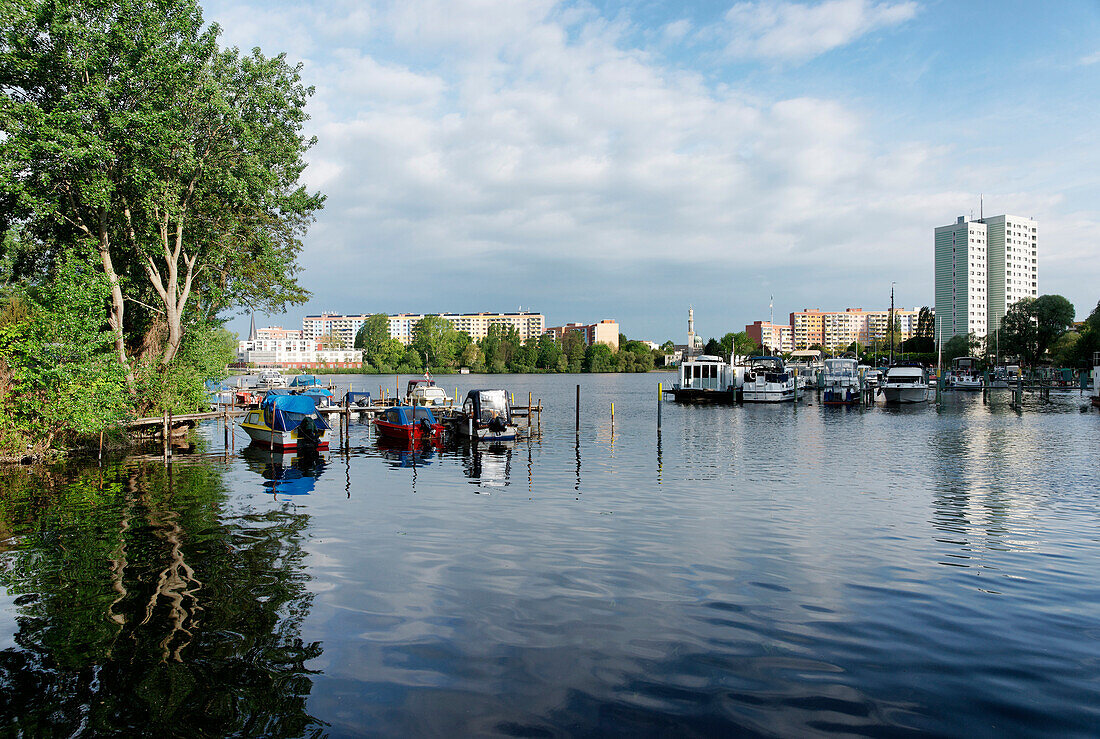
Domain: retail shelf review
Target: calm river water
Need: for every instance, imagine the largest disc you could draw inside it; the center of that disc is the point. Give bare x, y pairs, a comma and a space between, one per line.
749, 570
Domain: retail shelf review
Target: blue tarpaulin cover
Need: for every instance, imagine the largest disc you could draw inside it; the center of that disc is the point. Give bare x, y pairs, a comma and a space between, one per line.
276, 406
303, 381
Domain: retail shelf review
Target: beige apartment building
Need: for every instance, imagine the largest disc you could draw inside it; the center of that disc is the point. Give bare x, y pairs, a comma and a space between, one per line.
775, 336
838, 329
402, 325
604, 332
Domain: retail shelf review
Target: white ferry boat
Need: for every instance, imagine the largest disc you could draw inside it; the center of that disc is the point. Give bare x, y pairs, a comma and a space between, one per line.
766, 380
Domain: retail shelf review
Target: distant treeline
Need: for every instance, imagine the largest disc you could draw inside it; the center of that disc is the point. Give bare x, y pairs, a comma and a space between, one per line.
438, 346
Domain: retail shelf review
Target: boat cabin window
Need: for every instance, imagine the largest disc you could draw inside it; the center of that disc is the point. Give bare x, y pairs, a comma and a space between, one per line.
493, 403
253, 417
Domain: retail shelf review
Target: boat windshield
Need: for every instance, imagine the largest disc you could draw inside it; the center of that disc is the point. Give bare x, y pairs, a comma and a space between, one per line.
840, 367
904, 374
766, 364
493, 403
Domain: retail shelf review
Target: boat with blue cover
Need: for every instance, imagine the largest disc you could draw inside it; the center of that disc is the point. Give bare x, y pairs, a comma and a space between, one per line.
286, 422
321, 396
301, 381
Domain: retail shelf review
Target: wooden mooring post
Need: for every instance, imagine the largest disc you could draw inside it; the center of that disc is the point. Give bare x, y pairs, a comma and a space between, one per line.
578, 427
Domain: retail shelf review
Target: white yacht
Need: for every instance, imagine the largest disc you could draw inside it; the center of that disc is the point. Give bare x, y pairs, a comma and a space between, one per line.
841, 382
807, 364
905, 385
271, 378
768, 381
964, 375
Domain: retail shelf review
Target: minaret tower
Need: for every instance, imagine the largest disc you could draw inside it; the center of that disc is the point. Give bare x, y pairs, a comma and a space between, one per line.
691, 330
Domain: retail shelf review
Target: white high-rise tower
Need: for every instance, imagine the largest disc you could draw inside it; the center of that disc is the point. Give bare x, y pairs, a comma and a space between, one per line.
982, 268
1013, 263
960, 279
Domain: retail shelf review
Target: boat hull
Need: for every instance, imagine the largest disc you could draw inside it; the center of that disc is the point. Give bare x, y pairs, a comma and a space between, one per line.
282, 440
483, 433
406, 433
767, 395
904, 395
963, 384
840, 396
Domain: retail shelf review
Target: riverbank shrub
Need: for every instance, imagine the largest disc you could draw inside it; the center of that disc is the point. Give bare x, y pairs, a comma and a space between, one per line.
60, 381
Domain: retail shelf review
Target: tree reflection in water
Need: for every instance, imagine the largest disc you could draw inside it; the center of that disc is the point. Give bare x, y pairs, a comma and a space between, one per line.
144, 605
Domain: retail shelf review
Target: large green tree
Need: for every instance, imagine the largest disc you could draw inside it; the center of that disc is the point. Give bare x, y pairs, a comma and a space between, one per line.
436, 339
123, 125
1032, 325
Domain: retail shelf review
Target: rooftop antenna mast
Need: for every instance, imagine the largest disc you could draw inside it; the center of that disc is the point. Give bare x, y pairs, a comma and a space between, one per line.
771, 309
981, 207
891, 324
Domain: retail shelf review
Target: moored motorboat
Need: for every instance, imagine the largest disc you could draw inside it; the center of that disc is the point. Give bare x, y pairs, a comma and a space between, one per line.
304, 381
271, 378
905, 384
286, 422
841, 382
964, 375
767, 381
486, 416
321, 396
408, 423
424, 391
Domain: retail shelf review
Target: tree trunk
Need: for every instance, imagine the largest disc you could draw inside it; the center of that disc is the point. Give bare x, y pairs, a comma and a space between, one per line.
118, 308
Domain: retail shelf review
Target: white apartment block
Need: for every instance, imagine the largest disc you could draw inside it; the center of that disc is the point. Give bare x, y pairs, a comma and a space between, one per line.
982, 268
961, 279
402, 325
295, 353
1013, 263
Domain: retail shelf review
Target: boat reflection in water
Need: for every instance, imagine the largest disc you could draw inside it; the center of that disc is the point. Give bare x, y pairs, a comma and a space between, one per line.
487, 465
286, 473
407, 454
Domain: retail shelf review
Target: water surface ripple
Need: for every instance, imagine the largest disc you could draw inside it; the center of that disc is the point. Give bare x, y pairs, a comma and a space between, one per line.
752, 570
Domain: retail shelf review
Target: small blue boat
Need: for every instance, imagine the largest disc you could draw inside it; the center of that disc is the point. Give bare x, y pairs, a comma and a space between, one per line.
304, 381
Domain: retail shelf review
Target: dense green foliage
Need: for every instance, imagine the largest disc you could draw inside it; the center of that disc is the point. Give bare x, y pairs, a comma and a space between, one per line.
59, 379
439, 347
169, 168
1031, 327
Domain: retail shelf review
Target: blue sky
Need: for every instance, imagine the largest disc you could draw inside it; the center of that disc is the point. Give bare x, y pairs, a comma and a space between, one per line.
626, 160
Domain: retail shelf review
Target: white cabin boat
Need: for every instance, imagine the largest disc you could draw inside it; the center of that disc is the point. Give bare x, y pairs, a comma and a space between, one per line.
426, 392
1004, 376
487, 416
905, 385
766, 380
271, 378
841, 382
707, 377
807, 364
963, 375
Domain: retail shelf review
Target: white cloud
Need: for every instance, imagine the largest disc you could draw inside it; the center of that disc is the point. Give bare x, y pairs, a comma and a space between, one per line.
536, 147
796, 31
1089, 59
